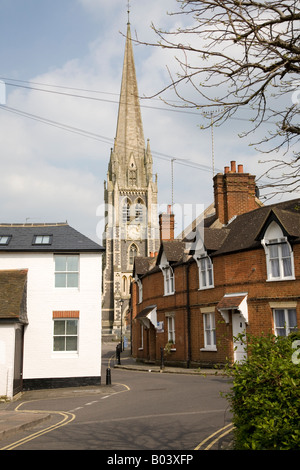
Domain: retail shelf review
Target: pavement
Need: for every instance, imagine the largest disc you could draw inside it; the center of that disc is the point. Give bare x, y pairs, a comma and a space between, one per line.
13, 420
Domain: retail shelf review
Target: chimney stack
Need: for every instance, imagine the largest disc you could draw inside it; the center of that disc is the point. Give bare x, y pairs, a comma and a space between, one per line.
166, 225
234, 193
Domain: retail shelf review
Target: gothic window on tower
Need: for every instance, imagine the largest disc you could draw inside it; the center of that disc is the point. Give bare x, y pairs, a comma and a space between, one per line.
139, 212
126, 211
132, 177
133, 251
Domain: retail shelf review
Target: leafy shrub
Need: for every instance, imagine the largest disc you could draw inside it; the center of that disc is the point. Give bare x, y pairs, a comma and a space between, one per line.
265, 396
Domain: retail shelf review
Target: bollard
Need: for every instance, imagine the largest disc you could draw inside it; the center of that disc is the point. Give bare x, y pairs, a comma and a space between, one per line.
108, 377
162, 359
118, 353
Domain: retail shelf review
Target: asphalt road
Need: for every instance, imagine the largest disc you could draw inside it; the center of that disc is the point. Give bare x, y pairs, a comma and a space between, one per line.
140, 411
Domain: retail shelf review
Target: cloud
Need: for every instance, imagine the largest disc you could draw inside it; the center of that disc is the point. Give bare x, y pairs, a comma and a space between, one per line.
53, 173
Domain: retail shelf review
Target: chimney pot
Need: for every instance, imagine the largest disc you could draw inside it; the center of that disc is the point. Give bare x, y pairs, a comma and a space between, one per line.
226, 169
233, 166
240, 169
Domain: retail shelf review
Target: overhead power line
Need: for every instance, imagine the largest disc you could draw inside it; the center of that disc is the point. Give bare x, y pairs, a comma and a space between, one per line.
93, 98
101, 138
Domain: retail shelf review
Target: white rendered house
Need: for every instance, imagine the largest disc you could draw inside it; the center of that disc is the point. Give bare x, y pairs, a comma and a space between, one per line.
62, 326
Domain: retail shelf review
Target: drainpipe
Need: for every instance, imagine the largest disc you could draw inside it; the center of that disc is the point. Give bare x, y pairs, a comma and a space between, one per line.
188, 313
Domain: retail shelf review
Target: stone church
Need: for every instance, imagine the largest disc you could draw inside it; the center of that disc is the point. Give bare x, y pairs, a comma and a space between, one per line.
130, 195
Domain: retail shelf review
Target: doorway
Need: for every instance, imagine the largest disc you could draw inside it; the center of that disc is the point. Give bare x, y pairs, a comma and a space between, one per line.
238, 327
18, 360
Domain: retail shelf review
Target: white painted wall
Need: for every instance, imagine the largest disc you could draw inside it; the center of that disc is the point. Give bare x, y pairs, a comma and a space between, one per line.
42, 299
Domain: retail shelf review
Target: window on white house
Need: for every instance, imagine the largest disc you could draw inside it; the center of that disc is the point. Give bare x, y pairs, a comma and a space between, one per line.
168, 280
285, 321
67, 271
5, 239
42, 240
209, 331
65, 335
171, 329
205, 268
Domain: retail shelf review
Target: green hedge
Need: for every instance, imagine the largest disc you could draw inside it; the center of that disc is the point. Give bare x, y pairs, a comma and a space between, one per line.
265, 396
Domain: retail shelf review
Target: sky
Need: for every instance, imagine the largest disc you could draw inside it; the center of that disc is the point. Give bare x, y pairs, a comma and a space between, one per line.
61, 61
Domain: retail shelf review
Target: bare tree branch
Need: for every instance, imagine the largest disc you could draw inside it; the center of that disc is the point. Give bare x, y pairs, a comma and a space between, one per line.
238, 53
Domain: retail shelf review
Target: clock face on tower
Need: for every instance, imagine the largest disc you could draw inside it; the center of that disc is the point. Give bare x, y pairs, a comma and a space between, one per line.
134, 231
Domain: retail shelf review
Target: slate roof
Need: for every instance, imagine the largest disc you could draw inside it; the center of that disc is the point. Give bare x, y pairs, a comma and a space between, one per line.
247, 230
63, 238
173, 249
13, 292
142, 264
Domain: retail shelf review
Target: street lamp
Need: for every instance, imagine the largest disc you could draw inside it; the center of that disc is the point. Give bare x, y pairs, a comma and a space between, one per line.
121, 303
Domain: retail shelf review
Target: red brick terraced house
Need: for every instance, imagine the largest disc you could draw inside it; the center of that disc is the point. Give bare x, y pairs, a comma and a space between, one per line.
240, 273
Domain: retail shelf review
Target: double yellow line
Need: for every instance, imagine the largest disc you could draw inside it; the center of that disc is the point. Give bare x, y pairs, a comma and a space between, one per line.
66, 419
227, 429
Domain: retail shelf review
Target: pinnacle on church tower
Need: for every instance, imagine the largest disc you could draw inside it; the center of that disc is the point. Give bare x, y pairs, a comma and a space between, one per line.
131, 198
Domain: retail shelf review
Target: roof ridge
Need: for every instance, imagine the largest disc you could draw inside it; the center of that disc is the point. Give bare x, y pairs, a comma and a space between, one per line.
41, 224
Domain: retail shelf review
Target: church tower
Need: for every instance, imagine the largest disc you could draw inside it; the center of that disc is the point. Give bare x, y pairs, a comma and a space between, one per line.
130, 195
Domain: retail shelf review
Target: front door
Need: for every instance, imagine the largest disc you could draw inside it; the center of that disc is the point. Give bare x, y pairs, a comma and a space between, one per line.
238, 327
18, 364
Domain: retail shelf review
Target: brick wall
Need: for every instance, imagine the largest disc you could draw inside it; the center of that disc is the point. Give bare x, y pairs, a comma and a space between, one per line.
233, 273
234, 193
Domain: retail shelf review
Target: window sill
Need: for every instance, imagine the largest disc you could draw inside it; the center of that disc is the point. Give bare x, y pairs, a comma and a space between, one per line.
208, 350
206, 288
171, 293
280, 279
65, 354
140, 349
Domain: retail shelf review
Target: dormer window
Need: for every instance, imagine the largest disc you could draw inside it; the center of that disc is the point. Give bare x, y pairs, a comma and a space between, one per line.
42, 240
279, 254
205, 269
168, 280
4, 239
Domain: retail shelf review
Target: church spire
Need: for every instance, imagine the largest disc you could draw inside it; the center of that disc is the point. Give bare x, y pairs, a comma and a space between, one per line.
129, 135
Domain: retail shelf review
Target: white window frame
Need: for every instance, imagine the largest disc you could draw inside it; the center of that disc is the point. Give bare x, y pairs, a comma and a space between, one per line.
276, 264
66, 335
42, 240
171, 328
286, 328
205, 272
141, 338
67, 271
4, 240
169, 280
209, 331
